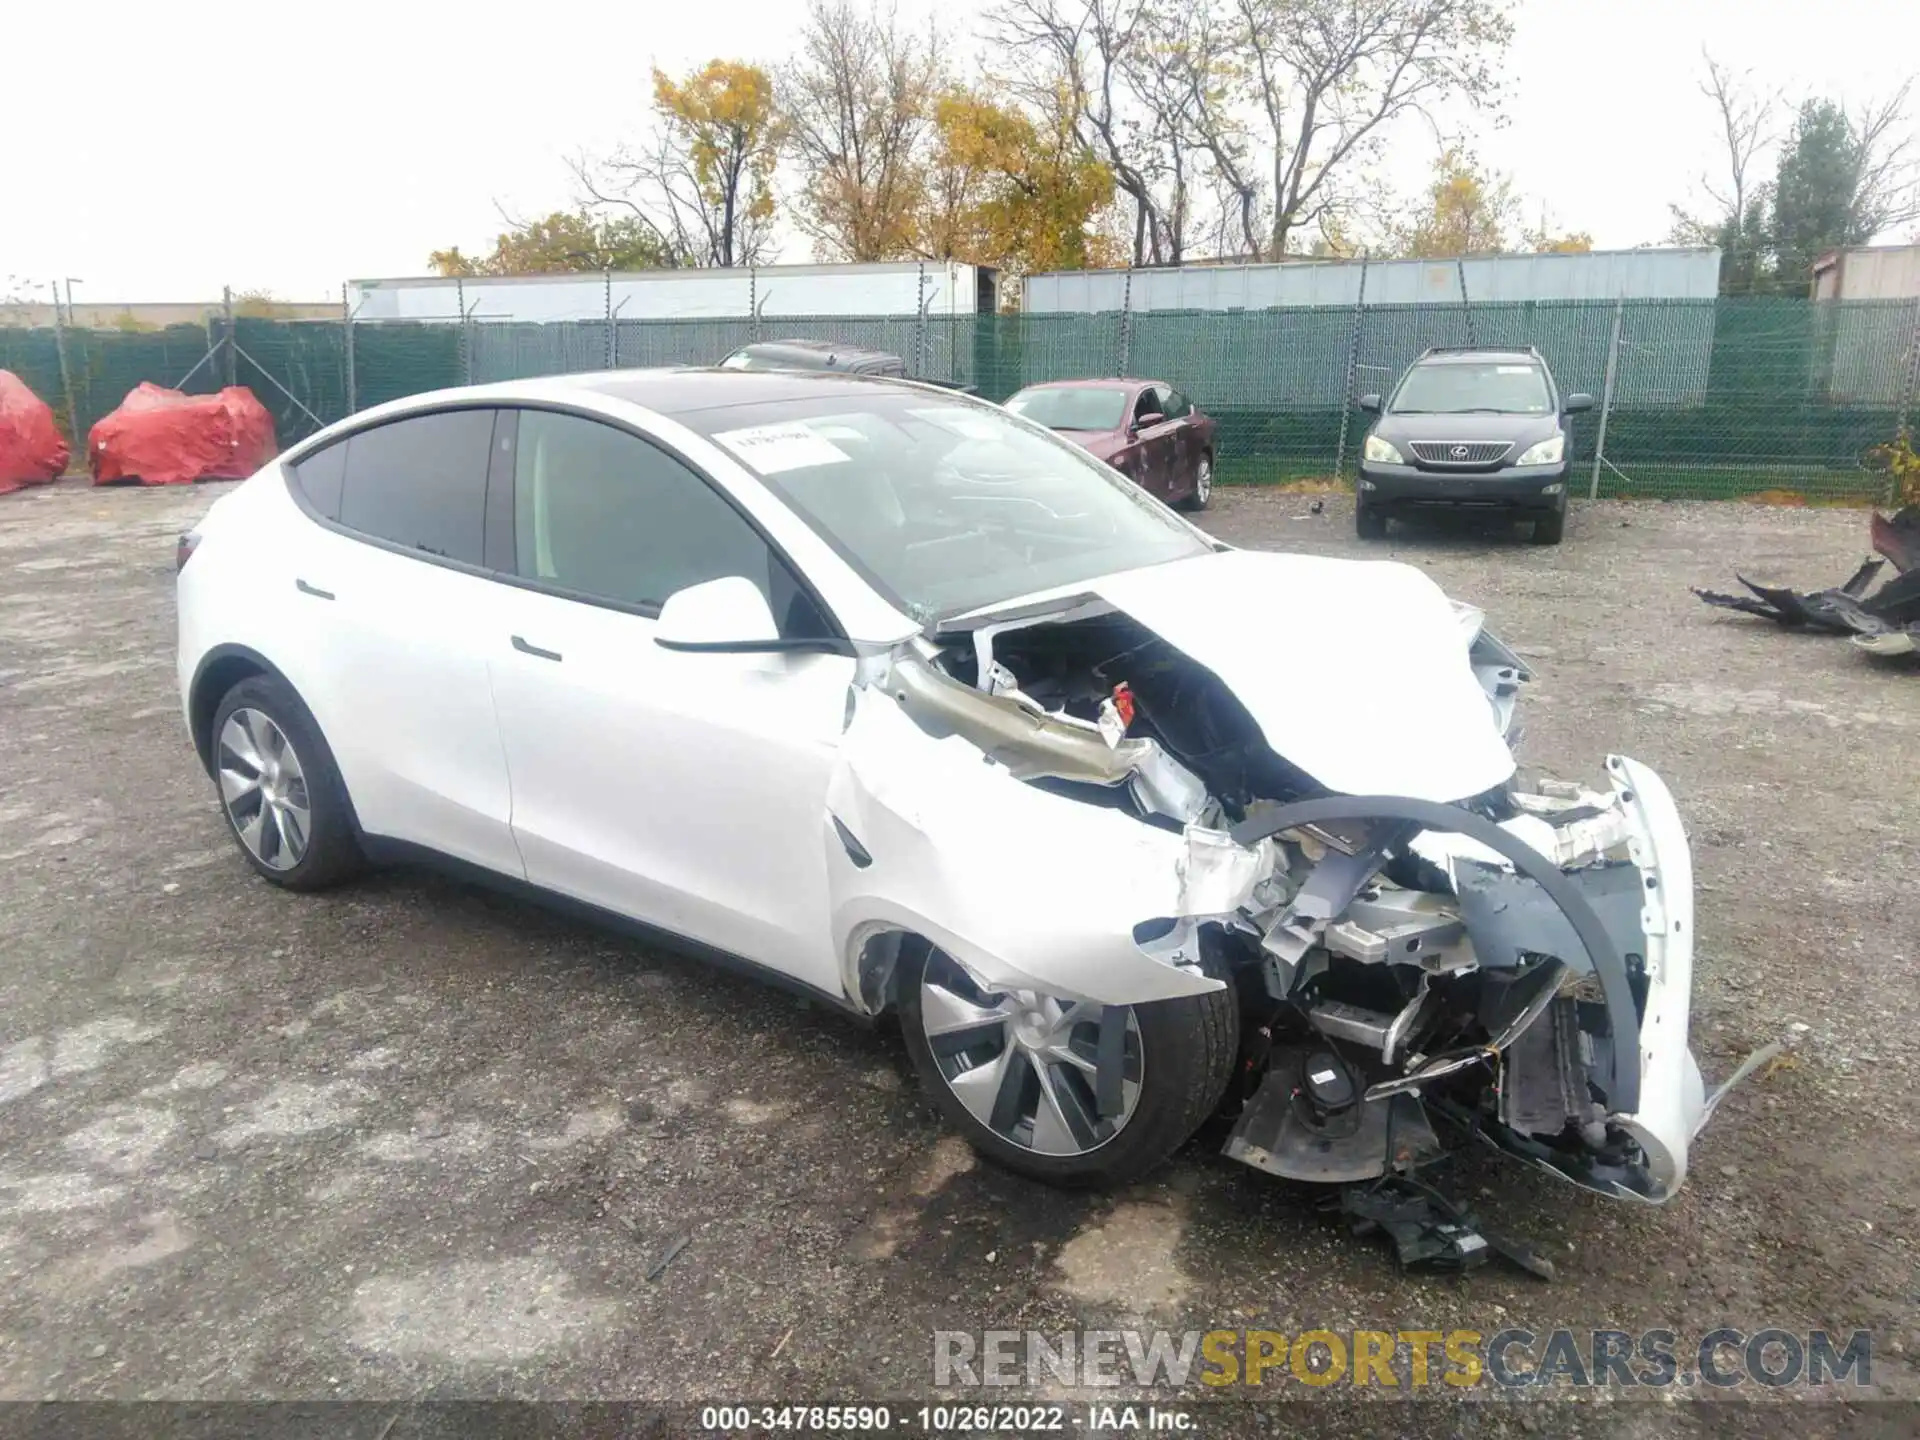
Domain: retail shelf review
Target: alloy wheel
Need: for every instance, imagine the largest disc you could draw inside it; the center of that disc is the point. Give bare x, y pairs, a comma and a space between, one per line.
1203, 481
1026, 1065
264, 789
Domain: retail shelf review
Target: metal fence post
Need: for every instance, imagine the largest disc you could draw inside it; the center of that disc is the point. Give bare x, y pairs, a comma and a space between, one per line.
753, 302
920, 300
66, 374
1606, 401
1460, 268
1353, 370
346, 341
606, 275
231, 369
466, 339
1911, 392
1126, 324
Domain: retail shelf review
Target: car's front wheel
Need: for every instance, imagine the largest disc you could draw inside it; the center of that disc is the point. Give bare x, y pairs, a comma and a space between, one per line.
279, 788
1019, 1073
1369, 522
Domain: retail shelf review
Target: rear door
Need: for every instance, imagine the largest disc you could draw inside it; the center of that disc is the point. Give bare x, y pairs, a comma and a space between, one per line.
683, 789
402, 613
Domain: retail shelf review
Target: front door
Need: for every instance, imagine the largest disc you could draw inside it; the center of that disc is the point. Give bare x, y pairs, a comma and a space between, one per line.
1155, 444
685, 790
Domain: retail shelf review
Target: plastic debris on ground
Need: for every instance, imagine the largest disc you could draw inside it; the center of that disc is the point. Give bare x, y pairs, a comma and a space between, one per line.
1882, 621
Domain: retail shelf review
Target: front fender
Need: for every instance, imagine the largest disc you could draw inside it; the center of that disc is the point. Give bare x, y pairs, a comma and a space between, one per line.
1026, 888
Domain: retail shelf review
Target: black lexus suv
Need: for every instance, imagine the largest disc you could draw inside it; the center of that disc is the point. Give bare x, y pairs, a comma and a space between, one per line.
1475, 426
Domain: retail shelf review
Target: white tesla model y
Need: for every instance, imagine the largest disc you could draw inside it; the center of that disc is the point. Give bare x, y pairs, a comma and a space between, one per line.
905, 701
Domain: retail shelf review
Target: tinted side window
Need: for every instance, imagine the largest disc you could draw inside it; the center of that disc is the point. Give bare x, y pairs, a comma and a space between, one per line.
1148, 402
320, 477
421, 483
1177, 405
604, 514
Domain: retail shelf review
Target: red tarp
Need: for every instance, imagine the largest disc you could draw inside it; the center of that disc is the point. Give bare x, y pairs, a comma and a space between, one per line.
163, 437
32, 450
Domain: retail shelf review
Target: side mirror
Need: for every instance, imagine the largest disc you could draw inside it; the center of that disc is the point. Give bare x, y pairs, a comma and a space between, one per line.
1370, 404
1575, 404
725, 614
1146, 420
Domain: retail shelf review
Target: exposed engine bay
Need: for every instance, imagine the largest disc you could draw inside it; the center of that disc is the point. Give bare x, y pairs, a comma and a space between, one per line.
1513, 964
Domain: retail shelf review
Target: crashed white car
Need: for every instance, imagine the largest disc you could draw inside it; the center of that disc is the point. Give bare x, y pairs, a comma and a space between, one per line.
913, 705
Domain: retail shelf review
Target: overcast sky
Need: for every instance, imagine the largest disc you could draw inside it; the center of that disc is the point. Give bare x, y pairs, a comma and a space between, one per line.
159, 152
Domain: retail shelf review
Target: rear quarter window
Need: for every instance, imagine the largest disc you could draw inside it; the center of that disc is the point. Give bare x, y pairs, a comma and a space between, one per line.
321, 476
421, 483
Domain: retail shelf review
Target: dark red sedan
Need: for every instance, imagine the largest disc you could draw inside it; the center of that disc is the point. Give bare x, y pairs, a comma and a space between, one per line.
1145, 429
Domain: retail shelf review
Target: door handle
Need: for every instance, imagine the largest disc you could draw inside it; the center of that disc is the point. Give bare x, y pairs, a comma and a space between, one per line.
305, 589
525, 649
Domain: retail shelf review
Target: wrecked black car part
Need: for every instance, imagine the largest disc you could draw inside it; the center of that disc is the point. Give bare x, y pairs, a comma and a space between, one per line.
1885, 621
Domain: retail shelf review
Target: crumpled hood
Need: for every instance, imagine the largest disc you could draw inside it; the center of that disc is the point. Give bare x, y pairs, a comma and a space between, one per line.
1356, 671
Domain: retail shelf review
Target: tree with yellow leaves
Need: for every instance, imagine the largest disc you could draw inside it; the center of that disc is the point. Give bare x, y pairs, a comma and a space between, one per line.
1006, 188
702, 183
1471, 210
564, 242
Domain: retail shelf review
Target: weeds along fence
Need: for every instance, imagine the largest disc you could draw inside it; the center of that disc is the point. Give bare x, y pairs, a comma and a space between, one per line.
1692, 398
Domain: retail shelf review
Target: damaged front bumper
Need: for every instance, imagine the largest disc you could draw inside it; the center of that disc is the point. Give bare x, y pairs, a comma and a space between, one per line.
1568, 933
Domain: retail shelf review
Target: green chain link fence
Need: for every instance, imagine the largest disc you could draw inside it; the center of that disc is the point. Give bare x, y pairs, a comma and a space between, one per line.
1694, 398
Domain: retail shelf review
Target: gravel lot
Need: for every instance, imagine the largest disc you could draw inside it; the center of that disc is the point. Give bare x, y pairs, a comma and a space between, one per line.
410, 1139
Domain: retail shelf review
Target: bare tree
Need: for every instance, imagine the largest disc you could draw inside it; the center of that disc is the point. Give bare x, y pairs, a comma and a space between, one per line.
1887, 193
1208, 75
1747, 117
1129, 102
1329, 76
858, 102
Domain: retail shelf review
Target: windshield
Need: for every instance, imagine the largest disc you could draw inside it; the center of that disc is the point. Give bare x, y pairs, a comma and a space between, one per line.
1457, 388
1071, 407
947, 505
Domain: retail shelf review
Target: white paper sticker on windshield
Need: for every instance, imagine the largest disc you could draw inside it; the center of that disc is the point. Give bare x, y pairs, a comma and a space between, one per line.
769, 449
1514, 369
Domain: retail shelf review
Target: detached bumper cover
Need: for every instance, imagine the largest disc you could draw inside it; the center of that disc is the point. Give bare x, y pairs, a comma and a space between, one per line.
1641, 1067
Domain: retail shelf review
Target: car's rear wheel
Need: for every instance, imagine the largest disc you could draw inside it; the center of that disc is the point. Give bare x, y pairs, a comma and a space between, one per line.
279, 788
1202, 486
1018, 1073
1550, 525
1369, 522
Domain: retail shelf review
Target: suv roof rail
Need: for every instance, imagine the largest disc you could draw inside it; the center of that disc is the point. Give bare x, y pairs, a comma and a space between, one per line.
1471, 349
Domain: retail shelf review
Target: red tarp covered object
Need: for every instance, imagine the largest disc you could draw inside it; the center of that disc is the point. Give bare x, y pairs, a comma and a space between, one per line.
32, 450
162, 437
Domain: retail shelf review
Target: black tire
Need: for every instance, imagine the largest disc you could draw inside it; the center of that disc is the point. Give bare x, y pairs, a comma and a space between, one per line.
332, 851
1188, 1048
1550, 526
1369, 522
